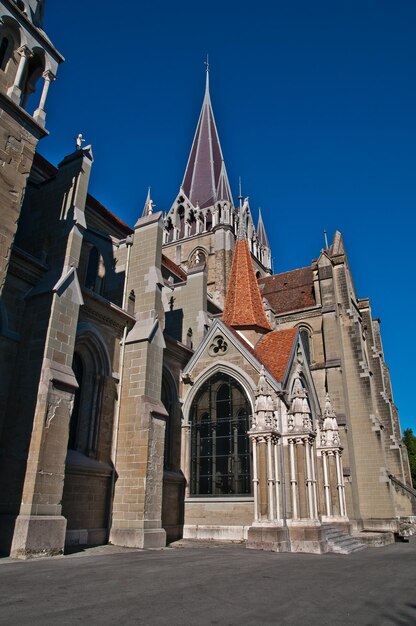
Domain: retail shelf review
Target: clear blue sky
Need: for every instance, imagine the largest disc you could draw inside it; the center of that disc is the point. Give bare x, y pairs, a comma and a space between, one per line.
315, 104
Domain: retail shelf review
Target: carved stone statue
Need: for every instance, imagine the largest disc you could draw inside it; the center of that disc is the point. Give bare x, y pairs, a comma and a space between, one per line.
79, 140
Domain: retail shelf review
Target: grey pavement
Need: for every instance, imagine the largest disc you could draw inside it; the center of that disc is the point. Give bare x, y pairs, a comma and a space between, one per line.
217, 585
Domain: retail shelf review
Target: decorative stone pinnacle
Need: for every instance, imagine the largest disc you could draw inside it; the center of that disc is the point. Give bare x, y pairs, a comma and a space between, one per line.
241, 231
264, 418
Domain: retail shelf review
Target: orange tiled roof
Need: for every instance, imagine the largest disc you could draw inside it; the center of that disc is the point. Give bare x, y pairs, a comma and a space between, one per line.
289, 291
243, 304
274, 350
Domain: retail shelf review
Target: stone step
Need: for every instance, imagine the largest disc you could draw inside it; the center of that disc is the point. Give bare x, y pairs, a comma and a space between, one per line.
334, 534
340, 542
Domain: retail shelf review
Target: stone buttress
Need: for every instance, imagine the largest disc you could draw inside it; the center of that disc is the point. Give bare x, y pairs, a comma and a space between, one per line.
140, 433
35, 435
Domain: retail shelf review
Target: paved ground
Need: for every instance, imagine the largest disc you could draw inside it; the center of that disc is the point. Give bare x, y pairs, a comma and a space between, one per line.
217, 585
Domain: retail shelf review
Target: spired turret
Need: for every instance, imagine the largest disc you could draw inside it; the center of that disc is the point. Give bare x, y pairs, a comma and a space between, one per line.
148, 205
299, 417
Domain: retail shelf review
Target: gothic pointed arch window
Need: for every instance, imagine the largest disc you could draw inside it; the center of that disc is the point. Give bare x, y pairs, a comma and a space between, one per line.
181, 221
208, 221
34, 70
192, 223
9, 43
94, 279
306, 337
90, 368
220, 449
169, 400
169, 231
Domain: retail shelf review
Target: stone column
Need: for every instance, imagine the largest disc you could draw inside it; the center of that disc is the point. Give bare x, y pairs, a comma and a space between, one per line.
309, 482
327, 488
39, 115
270, 480
277, 480
340, 483
314, 489
186, 456
293, 479
255, 482
15, 91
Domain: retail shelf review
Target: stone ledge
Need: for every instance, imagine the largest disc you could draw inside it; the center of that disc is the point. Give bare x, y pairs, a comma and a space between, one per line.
138, 537
375, 540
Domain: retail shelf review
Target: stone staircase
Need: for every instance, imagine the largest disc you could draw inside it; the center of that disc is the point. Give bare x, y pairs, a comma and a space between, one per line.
341, 542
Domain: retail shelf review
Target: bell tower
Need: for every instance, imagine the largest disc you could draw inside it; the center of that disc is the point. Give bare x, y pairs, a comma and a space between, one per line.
201, 226
28, 65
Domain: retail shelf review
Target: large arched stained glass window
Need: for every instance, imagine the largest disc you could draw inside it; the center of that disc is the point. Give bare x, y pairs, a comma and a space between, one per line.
220, 449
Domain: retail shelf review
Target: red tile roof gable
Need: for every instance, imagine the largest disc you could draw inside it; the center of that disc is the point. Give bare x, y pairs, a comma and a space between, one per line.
275, 349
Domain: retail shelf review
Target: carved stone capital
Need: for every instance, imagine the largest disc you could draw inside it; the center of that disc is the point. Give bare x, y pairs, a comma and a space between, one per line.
24, 51
49, 76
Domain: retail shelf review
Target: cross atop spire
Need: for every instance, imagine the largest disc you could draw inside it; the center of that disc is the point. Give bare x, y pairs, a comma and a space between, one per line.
205, 178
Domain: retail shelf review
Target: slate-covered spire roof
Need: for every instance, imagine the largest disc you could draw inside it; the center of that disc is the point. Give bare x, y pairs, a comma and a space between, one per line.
261, 232
205, 180
243, 303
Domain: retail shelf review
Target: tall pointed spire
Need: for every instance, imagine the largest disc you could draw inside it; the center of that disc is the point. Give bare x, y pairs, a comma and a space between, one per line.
261, 232
205, 180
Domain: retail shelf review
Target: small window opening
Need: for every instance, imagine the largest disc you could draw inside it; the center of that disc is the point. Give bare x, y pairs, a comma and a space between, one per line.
3, 51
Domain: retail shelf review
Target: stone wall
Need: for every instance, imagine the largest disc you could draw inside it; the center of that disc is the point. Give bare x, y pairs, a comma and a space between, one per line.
18, 139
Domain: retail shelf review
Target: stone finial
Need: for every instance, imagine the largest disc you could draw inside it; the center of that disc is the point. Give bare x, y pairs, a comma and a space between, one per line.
299, 416
329, 429
264, 407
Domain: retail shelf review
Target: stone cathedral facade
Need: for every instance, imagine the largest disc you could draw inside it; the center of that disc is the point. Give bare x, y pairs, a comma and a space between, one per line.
159, 382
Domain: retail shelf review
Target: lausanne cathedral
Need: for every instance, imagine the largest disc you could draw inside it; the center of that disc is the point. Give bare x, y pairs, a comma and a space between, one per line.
158, 382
